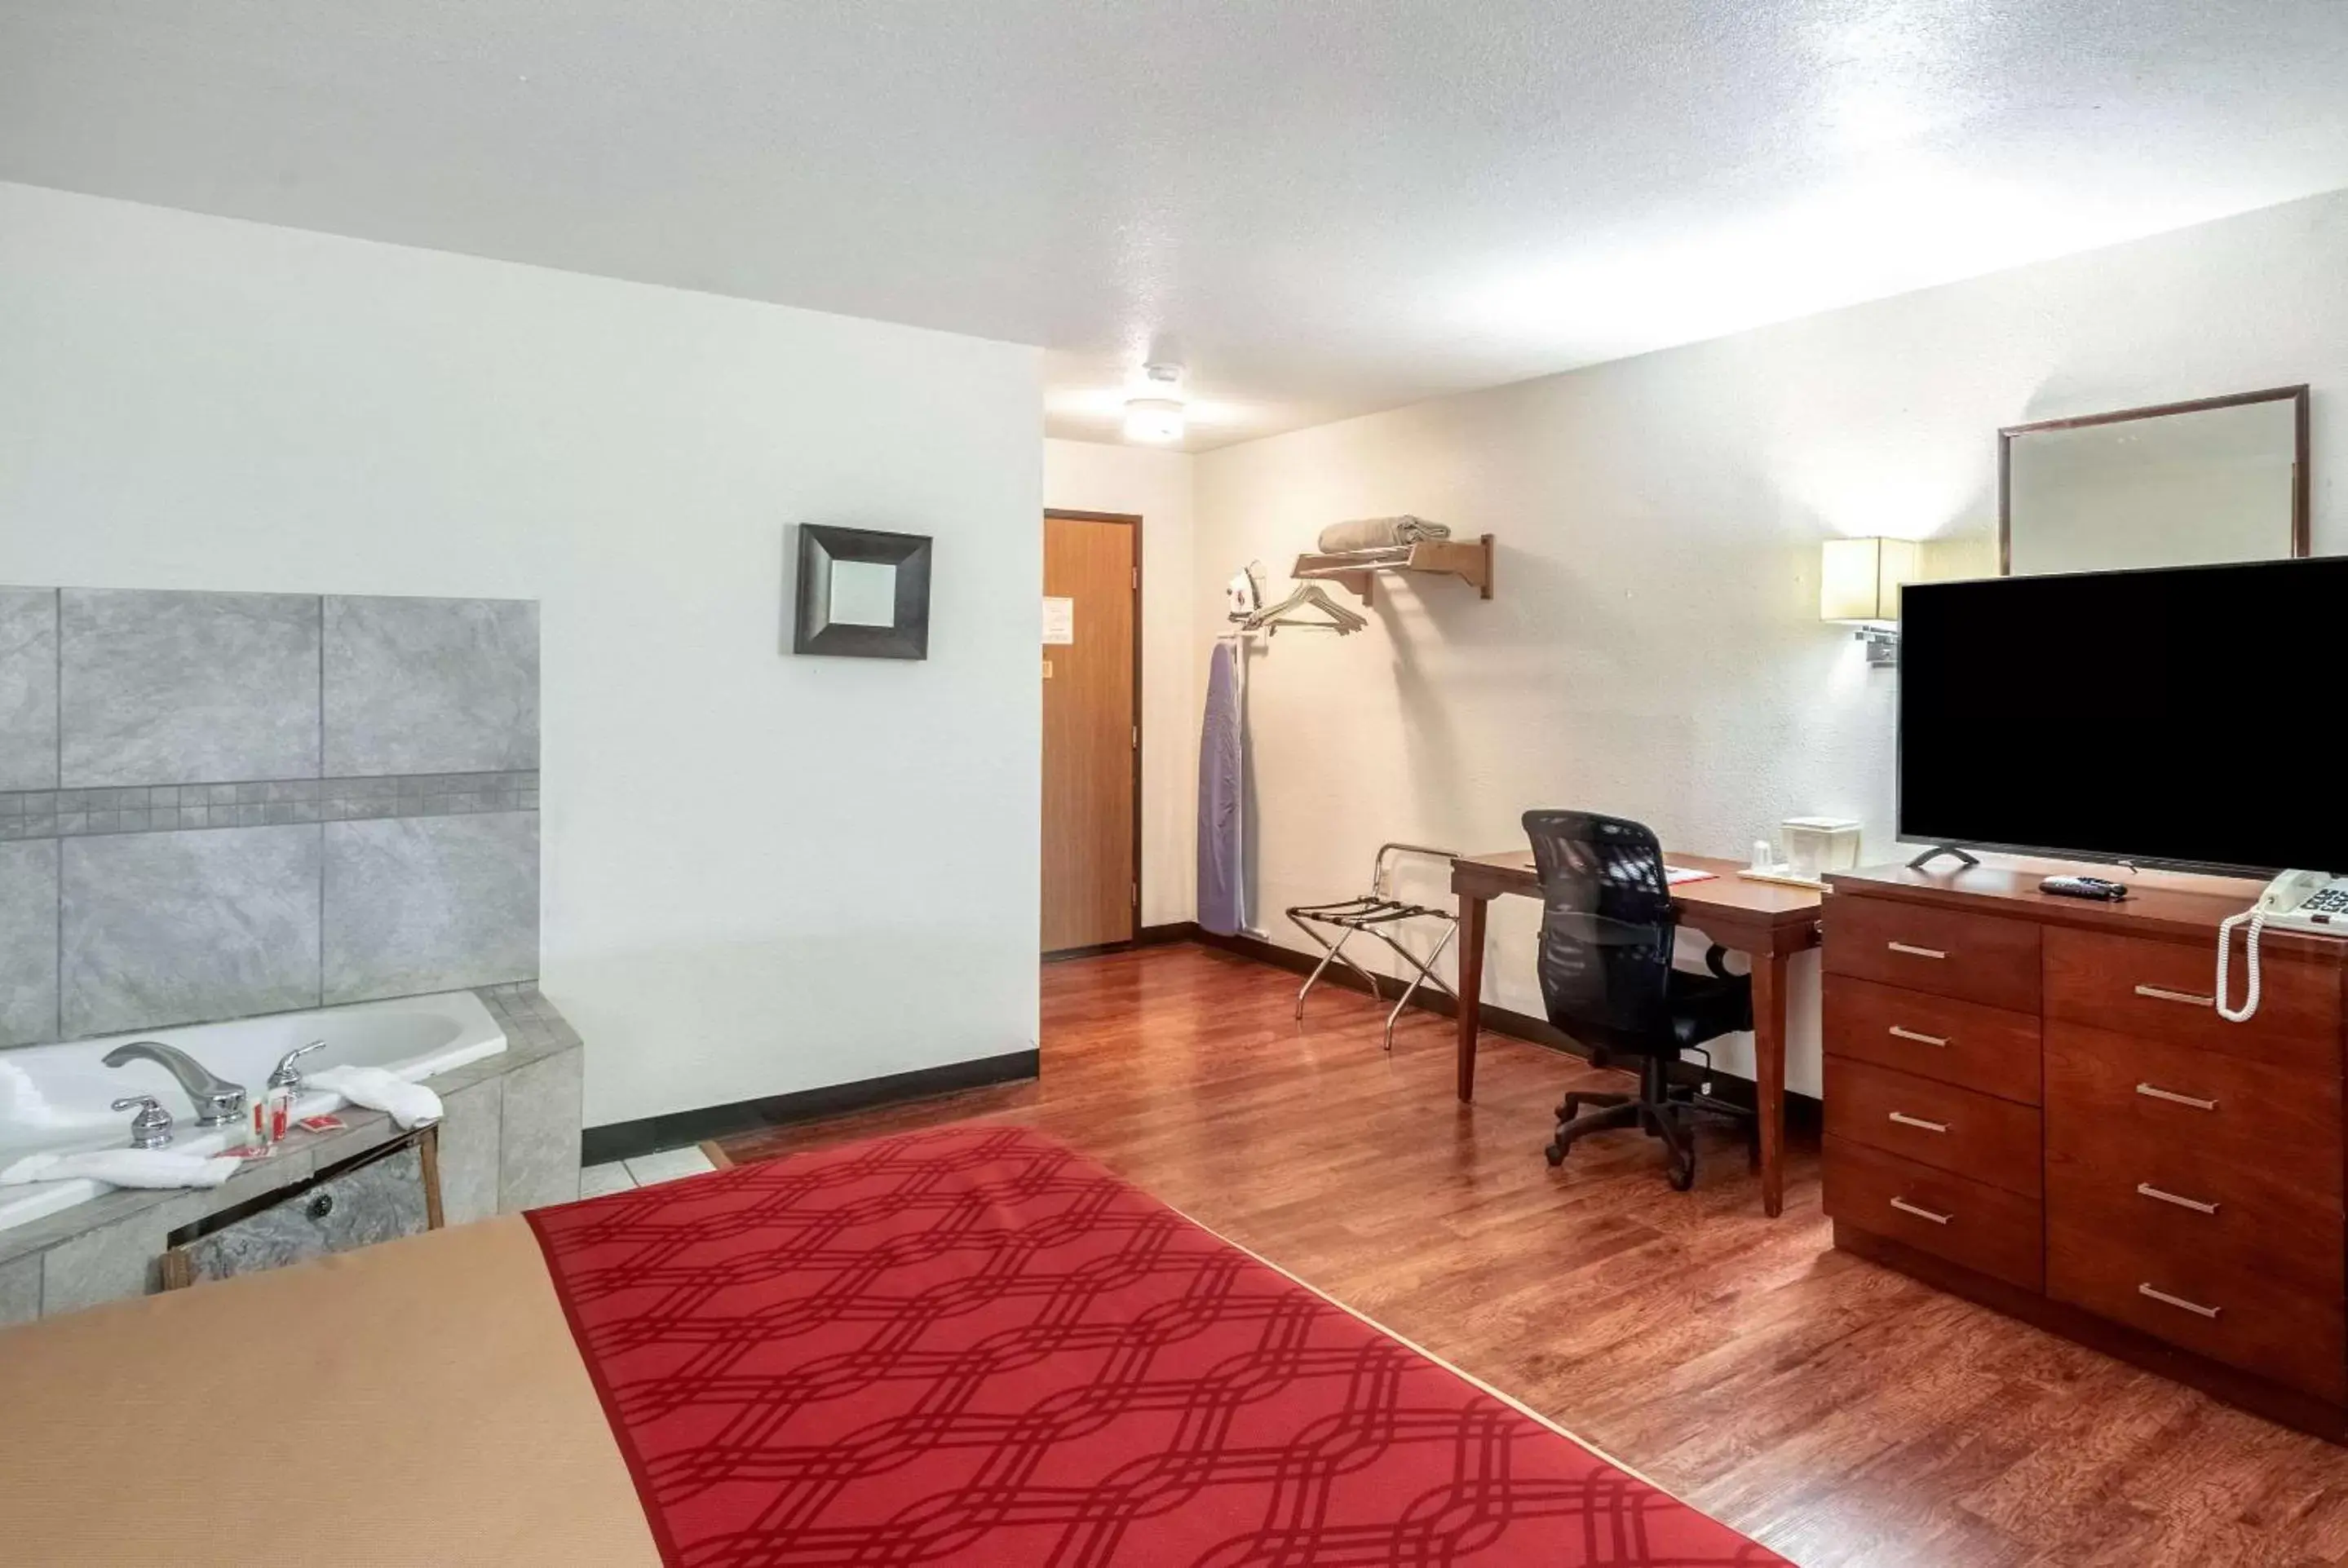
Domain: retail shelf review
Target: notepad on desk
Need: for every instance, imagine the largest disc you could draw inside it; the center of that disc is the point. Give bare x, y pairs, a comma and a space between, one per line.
1675, 875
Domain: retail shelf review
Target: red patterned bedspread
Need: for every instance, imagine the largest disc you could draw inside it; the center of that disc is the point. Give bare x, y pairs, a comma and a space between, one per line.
973, 1347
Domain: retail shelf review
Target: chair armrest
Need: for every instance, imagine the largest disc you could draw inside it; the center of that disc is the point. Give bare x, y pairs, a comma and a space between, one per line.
1713, 957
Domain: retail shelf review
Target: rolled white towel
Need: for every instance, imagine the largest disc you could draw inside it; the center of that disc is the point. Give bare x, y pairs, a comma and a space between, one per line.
124, 1168
1379, 533
409, 1105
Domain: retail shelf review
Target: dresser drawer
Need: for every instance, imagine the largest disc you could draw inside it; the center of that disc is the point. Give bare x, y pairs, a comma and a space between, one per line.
1949, 953
1938, 1124
1959, 1042
2205, 1304
2217, 1112
1984, 1228
2165, 991
2146, 1195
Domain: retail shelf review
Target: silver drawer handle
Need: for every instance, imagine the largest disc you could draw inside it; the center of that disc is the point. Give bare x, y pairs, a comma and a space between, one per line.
2151, 1091
2160, 994
1906, 1121
2195, 1204
1916, 952
1905, 1207
1920, 1039
2192, 1307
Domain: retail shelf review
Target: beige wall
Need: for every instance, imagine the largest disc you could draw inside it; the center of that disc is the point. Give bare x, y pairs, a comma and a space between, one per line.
1091, 476
1655, 649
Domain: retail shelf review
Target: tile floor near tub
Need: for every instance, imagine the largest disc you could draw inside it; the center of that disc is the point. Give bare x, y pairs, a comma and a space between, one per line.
643, 1170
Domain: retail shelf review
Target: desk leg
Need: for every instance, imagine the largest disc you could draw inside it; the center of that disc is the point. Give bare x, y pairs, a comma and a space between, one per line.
1769, 1074
1472, 986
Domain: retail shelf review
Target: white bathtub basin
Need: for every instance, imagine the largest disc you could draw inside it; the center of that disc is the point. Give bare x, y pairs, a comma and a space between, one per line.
56, 1098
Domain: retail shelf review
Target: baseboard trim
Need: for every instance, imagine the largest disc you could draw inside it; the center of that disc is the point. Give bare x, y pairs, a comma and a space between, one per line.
1802, 1111
628, 1139
1143, 937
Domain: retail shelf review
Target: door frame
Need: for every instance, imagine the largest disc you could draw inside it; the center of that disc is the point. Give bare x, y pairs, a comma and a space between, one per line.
1140, 734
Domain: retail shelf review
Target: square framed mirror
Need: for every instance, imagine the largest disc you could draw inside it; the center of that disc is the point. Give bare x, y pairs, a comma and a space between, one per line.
862, 594
2215, 480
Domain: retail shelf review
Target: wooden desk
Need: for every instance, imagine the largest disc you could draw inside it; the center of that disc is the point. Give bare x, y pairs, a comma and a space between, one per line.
1765, 922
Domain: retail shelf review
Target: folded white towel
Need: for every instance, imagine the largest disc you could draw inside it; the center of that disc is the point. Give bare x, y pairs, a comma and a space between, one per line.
409, 1105
1379, 533
124, 1168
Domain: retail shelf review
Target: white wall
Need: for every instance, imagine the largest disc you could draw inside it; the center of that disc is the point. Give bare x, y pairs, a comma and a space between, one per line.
1154, 484
762, 873
1655, 649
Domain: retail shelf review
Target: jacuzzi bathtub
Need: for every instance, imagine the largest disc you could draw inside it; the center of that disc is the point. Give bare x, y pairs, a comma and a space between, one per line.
55, 1098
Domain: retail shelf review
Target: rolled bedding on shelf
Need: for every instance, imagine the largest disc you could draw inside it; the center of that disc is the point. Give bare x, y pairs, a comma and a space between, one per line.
1378, 534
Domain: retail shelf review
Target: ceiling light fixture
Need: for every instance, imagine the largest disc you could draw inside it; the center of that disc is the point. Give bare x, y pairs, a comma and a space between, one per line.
1154, 414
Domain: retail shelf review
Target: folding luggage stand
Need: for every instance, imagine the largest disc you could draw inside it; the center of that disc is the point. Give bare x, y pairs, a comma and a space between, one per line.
1375, 912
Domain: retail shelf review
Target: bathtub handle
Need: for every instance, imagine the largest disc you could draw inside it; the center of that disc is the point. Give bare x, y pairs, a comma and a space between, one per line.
151, 1128
286, 1075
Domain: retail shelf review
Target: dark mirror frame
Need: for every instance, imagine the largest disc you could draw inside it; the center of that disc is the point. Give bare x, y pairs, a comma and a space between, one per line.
813, 629
2300, 541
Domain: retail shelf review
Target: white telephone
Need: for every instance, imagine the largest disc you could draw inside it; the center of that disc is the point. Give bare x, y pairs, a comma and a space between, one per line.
2299, 900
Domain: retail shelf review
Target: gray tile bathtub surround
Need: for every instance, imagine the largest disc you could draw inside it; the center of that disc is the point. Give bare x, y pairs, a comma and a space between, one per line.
538, 1147
430, 685
428, 904
104, 1264
185, 928
163, 687
69, 814
29, 687
20, 1291
28, 943
469, 1152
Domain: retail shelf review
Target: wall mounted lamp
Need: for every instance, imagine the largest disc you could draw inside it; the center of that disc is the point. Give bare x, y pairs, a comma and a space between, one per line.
1859, 584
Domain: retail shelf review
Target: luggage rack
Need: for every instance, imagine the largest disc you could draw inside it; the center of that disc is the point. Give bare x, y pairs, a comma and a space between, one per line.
1377, 912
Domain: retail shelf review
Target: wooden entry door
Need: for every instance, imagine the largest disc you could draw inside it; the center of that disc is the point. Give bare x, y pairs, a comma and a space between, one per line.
1092, 733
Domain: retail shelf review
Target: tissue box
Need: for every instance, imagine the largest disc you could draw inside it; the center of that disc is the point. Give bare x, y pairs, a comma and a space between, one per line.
1818, 844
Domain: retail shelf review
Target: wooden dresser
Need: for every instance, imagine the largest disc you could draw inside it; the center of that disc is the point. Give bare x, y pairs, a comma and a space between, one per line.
2031, 1101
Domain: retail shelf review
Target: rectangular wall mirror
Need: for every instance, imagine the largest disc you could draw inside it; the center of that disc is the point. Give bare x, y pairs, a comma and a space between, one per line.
862, 593
2183, 484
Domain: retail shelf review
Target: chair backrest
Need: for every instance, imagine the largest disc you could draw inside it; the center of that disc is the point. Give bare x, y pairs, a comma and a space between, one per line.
1607, 927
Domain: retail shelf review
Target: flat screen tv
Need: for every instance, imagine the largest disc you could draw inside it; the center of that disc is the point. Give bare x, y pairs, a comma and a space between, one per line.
2182, 716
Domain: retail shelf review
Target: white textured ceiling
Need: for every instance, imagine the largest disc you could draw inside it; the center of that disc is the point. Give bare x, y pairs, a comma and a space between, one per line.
1330, 206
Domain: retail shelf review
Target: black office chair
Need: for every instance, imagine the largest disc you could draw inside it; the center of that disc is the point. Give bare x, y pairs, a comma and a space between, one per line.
1607, 979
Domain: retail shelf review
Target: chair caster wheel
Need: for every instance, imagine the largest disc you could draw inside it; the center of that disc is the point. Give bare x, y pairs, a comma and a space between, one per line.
1682, 1175
1554, 1154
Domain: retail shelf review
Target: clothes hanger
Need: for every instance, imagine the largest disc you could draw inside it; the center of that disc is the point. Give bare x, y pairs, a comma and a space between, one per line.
1307, 596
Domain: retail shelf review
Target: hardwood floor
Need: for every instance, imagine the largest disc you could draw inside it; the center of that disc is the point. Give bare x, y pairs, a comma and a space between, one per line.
1839, 1413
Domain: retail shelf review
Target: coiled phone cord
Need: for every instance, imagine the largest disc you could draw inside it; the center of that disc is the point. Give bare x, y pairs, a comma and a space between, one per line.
2258, 920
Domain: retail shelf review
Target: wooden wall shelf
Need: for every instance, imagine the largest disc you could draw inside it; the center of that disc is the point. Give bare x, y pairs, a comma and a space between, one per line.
1470, 560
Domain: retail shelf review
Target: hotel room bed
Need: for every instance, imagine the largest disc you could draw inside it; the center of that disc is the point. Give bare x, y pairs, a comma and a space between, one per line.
963, 1346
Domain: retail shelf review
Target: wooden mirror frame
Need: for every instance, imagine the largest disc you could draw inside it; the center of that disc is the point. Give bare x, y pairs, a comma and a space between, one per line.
812, 628
2300, 541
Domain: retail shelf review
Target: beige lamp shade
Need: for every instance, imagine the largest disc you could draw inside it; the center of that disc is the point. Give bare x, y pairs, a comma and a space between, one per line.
1859, 580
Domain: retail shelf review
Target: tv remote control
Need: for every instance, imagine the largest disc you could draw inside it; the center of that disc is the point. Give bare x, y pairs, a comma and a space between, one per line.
2084, 888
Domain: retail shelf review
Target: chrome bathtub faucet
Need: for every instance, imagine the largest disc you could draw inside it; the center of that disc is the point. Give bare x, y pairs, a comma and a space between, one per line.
286, 1075
217, 1100
151, 1128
